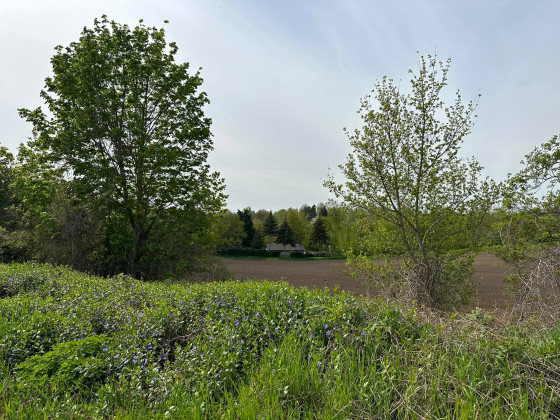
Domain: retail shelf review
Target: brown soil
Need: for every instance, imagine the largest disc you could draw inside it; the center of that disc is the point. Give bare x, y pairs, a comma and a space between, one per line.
489, 271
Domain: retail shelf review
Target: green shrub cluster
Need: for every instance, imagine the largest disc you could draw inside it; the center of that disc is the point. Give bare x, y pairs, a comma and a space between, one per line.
73, 345
249, 252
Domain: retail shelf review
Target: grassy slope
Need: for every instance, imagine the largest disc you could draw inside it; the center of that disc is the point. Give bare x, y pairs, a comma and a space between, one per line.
72, 344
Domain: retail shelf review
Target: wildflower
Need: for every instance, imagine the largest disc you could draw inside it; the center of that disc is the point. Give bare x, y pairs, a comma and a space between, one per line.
329, 333
363, 333
326, 326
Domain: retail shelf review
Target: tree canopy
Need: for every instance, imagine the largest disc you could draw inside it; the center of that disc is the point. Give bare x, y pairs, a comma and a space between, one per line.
405, 169
285, 234
270, 226
319, 233
126, 123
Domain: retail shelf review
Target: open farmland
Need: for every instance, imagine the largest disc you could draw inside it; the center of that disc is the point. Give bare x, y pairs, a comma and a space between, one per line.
489, 270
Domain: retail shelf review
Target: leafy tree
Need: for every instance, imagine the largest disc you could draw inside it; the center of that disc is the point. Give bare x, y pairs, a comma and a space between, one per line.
246, 217
260, 215
126, 124
319, 233
6, 189
310, 212
15, 240
285, 234
257, 242
405, 169
228, 229
270, 226
531, 215
299, 224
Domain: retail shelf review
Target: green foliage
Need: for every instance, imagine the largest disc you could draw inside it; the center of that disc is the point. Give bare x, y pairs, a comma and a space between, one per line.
319, 233
228, 230
125, 123
405, 170
258, 241
14, 243
248, 228
529, 226
285, 234
249, 252
299, 225
270, 226
309, 211
75, 345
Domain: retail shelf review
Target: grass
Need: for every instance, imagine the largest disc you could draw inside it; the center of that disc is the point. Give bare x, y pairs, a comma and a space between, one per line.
77, 346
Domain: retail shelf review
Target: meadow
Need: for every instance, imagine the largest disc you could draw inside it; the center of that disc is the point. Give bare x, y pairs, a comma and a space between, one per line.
78, 346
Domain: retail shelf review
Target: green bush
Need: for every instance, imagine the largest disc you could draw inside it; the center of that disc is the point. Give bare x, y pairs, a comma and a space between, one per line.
249, 252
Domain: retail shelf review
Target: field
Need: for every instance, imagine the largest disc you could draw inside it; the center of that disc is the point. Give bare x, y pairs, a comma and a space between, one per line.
489, 271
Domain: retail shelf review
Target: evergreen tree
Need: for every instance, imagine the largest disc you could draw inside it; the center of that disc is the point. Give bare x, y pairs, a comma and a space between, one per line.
257, 242
310, 212
270, 226
319, 233
248, 227
285, 234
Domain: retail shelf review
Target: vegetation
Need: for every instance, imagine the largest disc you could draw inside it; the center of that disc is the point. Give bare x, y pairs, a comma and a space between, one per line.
77, 345
405, 170
285, 234
248, 228
116, 179
530, 216
270, 226
319, 233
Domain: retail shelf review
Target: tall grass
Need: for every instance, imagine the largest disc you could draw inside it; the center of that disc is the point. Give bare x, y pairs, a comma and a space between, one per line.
73, 345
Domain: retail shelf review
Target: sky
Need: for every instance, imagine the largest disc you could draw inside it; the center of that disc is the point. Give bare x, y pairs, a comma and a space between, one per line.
285, 77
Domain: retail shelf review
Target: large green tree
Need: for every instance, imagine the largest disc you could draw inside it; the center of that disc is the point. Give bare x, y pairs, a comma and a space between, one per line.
270, 226
126, 122
319, 233
299, 224
285, 234
405, 169
246, 216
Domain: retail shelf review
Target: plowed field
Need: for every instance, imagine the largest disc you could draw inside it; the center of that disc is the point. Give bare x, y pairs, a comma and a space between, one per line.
489, 270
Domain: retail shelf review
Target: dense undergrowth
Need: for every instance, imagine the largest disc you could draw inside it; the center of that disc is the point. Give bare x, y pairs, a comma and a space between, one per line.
77, 346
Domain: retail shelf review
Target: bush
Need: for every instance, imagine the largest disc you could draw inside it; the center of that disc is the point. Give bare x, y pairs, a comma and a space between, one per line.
300, 255
249, 252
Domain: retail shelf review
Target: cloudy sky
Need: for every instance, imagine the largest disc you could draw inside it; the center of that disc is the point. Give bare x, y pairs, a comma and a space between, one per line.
285, 77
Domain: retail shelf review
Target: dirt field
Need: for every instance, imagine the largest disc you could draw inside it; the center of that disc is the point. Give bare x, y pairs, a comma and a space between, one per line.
329, 273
